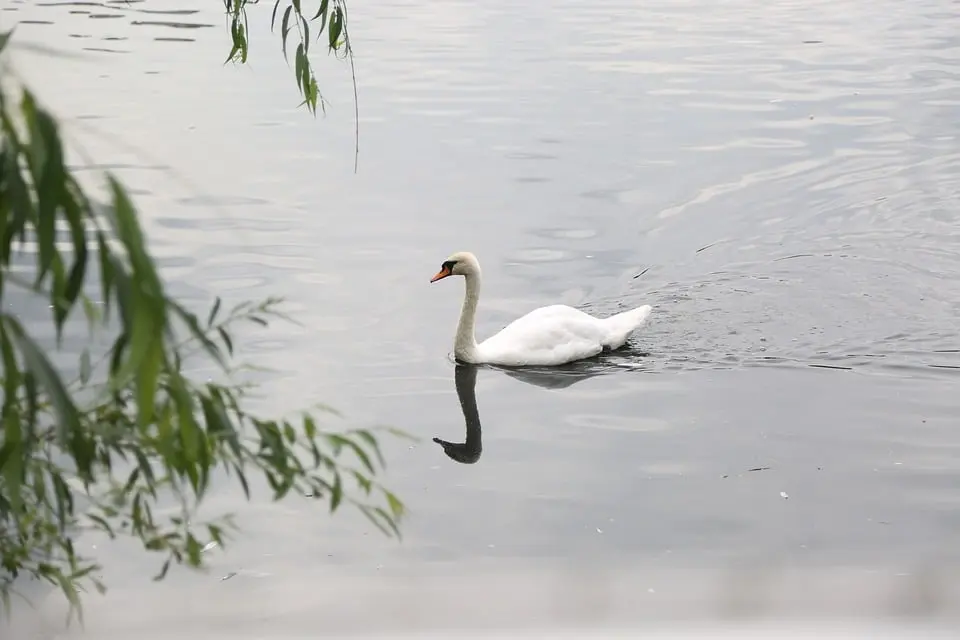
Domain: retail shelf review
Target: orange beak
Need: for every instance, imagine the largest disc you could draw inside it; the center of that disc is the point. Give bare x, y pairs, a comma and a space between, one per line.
443, 273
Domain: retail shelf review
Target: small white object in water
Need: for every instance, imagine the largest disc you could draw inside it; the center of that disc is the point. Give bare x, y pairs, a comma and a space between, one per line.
783, 494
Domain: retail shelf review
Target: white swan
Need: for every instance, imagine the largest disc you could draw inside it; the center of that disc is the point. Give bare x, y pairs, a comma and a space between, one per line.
547, 336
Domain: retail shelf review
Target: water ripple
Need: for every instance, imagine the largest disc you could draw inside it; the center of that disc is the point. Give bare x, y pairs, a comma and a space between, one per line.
780, 180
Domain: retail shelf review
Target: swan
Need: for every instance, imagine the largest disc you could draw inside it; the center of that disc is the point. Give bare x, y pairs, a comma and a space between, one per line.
548, 336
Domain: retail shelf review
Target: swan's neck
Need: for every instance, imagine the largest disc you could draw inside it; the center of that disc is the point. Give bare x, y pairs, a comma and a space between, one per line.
465, 346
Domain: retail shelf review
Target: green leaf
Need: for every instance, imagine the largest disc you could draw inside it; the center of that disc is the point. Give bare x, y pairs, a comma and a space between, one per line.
243, 481
106, 273
132, 480
213, 312
70, 591
11, 375
16, 192
336, 27
365, 484
103, 524
336, 494
43, 160
197, 332
234, 50
91, 313
322, 12
163, 571
64, 500
12, 454
148, 376
5, 38
396, 507
145, 307
69, 430
78, 234
194, 553
373, 444
305, 83
299, 62
239, 38
379, 517
273, 15
216, 534
284, 29
218, 423
85, 366
309, 427
340, 440
128, 229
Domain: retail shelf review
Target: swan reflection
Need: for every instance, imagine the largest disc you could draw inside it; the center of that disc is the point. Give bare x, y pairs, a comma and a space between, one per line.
468, 451
465, 379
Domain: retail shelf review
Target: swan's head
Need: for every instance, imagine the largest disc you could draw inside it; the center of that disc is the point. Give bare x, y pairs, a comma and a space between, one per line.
462, 263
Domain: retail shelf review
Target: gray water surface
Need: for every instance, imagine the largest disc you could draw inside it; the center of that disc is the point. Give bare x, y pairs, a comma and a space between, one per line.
780, 180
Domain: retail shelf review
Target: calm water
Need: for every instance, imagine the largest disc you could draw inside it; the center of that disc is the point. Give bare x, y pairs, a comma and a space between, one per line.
780, 180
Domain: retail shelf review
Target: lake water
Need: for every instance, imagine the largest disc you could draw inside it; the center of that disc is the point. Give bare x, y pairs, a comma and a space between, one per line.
780, 180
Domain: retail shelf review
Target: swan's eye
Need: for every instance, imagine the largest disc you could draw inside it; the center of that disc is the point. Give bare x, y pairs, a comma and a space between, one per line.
449, 265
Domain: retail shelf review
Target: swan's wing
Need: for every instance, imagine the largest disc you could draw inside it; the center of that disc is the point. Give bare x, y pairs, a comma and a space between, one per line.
546, 336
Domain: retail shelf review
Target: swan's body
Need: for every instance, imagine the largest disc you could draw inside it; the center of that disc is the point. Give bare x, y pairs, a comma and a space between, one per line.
552, 335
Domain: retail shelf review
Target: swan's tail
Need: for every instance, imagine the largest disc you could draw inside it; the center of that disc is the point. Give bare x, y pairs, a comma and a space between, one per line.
625, 323
632, 318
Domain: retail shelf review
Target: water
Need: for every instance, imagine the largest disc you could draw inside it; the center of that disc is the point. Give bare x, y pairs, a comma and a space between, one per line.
779, 180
